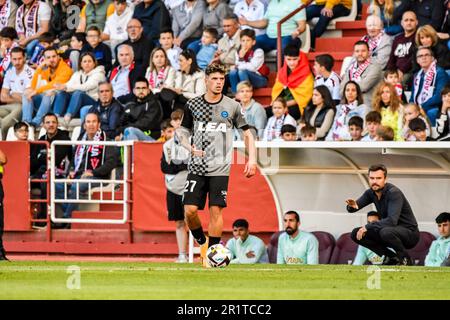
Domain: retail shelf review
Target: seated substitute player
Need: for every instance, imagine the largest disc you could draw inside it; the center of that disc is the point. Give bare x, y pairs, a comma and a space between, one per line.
439, 249
295, 246
245, 247
211, 118
363, 254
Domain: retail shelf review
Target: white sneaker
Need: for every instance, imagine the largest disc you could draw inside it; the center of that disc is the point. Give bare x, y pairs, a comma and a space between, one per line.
181, 259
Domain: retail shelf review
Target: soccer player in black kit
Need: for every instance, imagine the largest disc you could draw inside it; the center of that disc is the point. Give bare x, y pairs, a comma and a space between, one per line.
211, 119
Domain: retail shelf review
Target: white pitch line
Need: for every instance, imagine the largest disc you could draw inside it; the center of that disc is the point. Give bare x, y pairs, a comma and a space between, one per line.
149, 269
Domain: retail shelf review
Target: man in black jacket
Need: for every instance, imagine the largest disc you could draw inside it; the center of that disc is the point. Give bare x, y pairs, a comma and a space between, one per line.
142, 48
108, 108
398, 227
89, 162
38, 159
142, 114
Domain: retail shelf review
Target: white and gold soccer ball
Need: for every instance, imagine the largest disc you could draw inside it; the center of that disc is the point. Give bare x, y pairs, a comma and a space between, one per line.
218, 256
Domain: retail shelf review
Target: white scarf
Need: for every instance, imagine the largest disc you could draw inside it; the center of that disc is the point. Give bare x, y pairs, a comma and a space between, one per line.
356, 71
5, 11
428, 84
93, 153
27, 22
339, 130
373, 42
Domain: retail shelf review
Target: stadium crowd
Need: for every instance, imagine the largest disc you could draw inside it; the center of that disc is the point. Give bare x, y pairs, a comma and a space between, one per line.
395, 84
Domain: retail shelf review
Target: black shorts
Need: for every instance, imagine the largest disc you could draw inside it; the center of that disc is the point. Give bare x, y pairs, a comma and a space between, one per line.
198, 187
175, 208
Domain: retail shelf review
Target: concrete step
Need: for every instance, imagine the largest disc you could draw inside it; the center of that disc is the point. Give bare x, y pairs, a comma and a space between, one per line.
352, 28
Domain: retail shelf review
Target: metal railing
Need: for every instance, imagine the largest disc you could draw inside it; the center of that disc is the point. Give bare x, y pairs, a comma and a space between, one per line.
283, 20
93, 185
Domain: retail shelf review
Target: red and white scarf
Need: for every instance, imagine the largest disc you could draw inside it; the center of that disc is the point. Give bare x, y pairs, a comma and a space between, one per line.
4, 65
156, 79
373, 42
339, 129
356, 71
27, 20
428, 84
5, 11
94, 154
273, 127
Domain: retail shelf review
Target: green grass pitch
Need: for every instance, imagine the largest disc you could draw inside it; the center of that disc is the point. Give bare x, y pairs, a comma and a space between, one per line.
55, 280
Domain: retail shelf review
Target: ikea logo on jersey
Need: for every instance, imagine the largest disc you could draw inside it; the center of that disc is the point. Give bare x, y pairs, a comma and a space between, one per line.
212, 127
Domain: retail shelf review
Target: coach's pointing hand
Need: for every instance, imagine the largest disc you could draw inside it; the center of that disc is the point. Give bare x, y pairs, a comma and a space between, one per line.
352, 203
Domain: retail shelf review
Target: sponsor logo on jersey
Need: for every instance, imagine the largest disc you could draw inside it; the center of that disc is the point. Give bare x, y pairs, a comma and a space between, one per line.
212, 127
224, 114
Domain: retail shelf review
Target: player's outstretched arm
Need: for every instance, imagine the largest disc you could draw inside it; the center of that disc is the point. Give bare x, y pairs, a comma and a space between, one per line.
250, 166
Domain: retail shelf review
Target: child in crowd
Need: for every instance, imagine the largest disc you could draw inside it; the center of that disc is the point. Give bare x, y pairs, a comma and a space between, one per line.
385, 133
176, 117
443, 120
167, 131
249, 63
174, 166
101, 51
323, 69
71, 53
355, 128
8, 40
289, 132
373, 121
46, 40
308, 133
280, 117
253, 111
21, 131
418, 128
392, 77
208, 47
413, 111
166, 40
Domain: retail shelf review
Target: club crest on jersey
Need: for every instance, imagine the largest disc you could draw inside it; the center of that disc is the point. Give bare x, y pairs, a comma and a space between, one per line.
212, 127
224, 114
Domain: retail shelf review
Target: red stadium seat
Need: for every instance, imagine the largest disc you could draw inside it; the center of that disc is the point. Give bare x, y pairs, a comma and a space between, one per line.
326, 245
345, 250
420, 251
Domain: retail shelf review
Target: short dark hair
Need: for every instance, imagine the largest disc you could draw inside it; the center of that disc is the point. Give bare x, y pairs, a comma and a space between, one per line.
212, 32
19, 50
326, 61
47, 37
231, 16
361, 43
9, 32
288, 128
19, 125
373, 116
417, 124
356, 121
374, 214
443, 217
390, 71
167, 30
445, 90
50, 114
94, 28
295, 213
378, 167
177, 114
307, 130
51, 48
240, 223
80, 36
215, 67
292, 50
386, 133
141, 79
166, 124
96, 114
248, 33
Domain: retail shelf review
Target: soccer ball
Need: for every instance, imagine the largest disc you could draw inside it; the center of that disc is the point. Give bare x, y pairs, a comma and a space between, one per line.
218, 256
